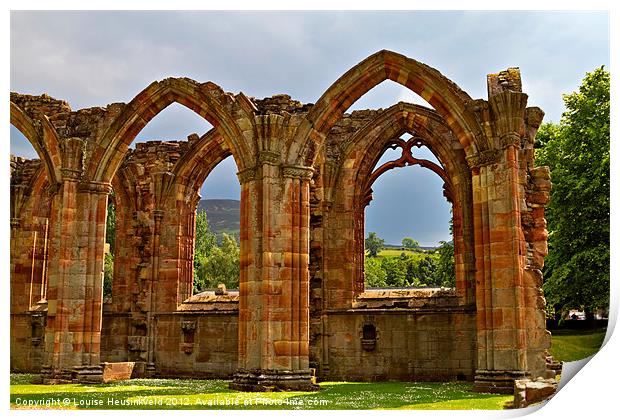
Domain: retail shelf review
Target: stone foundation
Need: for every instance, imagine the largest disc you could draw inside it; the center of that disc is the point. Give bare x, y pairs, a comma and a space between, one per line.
280, 380
496, 381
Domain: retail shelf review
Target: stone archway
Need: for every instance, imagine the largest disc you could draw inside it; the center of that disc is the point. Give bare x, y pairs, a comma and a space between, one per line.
354, 176
301, 202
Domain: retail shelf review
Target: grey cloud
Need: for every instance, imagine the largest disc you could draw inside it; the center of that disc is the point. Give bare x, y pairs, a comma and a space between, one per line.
95, 58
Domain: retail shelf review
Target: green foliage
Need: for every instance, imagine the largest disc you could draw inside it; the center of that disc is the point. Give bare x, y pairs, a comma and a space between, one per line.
110, 225
374, 274
108, 259
406, 270
410, 243
205, 242
108, 274
396, 271
222, 266
445, 265
374, 244
205, 239
214, 264
578, 154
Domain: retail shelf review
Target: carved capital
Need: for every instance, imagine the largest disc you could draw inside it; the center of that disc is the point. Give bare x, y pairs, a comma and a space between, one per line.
295, 171
95, 187
510, 139
70, 174
246, 175
484, 158
269, 157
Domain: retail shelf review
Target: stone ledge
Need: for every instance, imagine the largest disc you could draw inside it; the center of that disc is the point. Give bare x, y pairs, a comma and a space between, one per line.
211, 301
406, 298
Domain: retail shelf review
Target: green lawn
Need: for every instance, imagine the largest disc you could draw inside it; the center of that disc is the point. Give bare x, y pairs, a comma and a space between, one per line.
214, 394
570, 345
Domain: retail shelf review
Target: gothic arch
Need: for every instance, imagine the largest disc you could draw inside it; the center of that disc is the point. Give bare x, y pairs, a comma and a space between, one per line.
206, 99
361, 155
42, 135
193, 168
444, 95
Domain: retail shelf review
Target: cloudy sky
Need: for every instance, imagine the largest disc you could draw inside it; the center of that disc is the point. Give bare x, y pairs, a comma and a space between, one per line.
95, 58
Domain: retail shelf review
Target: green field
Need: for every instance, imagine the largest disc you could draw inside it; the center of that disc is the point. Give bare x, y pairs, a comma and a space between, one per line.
397, 253
214, 394
570, 345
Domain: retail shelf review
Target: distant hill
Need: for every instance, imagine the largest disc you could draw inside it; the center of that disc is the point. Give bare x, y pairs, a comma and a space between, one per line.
223, 215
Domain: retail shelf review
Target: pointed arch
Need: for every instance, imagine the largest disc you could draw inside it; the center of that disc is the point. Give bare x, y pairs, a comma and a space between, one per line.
353, 181
450, 102
206, 99
394, 122
44, 139
192, 169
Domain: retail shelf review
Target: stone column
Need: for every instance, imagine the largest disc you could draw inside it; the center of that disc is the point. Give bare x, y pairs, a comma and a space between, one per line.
274, 283
509, 345
75, 289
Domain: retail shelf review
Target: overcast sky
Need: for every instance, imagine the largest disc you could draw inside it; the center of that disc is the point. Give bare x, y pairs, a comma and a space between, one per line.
95, 58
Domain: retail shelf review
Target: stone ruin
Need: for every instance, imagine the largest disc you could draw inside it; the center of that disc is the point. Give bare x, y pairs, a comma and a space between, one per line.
306, 172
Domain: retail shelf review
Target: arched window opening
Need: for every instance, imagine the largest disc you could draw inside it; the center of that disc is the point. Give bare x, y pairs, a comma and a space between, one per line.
110, 248
30, 209
216, 244
408, 222
386, 94
20, 146
173, 123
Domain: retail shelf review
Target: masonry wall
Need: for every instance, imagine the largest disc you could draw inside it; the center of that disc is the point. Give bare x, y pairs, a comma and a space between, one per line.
434, 341
427, 345
27, 341
196, 345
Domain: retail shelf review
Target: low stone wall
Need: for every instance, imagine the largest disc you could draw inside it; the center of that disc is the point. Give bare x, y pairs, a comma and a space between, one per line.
386, 335
409, 345
27, 341
115, 330
195, 344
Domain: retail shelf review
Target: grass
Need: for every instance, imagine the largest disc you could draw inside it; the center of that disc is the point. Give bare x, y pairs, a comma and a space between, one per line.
214, 394
570, 345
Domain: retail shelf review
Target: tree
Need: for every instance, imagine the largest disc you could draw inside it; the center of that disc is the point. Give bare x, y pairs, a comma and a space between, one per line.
222, 266
445, 265
108, 274
374, 274
205, 242
374, 244
396, 271
578, 154
108, 261
410, 243
110, 225
205, 239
